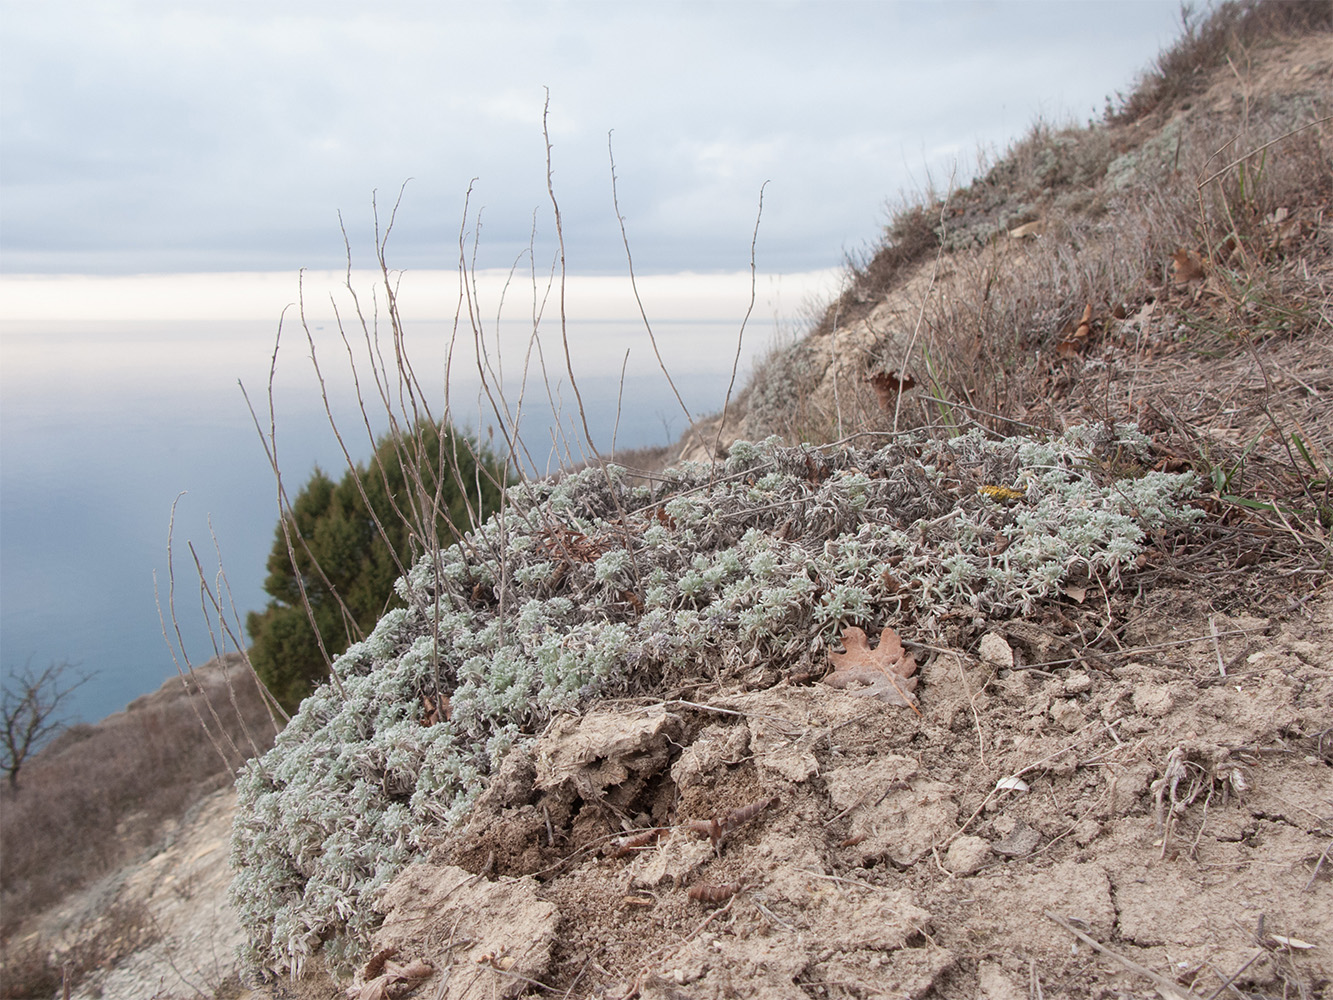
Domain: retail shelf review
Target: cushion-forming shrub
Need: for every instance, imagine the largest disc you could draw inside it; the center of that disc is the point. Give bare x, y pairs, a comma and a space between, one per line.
585, 586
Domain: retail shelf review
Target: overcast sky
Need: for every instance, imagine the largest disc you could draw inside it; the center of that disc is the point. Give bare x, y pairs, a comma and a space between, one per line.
174, 137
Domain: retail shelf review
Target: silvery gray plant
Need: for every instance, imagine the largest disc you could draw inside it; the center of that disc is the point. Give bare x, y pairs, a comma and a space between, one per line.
597, 585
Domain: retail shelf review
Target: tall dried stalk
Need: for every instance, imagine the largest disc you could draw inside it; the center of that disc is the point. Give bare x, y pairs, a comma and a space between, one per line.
740, 334
388, 390
213, 609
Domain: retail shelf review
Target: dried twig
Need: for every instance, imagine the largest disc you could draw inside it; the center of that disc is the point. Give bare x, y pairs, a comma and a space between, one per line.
1168, 989
1323, 856
634, 286
740, 334
1259, 149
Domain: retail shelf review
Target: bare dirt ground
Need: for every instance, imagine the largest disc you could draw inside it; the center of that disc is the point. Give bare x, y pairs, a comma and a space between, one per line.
189, 948
1172, 800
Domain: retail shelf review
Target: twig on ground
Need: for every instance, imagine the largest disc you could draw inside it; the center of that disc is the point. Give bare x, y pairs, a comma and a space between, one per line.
1168, 989
1323, 856
972, 703
1226, 984
1217, 646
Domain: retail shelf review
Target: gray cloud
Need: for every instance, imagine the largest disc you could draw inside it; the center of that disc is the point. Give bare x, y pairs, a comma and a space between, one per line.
162, 136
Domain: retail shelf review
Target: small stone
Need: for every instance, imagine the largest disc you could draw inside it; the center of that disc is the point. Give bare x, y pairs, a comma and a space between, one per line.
1130, 786
1067, 714
996, 652
1022, 841
1154, 702
967, 855
1086, 831
1079, 683
995, 984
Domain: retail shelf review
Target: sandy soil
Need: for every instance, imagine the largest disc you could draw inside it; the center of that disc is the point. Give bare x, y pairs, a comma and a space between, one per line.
1156, 801
1172, 800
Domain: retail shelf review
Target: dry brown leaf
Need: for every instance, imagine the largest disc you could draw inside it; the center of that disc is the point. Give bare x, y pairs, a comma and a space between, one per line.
436, 711
1284, 227
571, 545
376, 964
1073, 342
1185, 267
1084, 330
885, 672
888, 386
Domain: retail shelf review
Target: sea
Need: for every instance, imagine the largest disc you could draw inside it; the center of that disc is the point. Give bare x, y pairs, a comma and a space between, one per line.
135, 478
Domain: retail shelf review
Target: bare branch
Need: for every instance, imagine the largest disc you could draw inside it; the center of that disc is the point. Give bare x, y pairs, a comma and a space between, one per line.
30, 712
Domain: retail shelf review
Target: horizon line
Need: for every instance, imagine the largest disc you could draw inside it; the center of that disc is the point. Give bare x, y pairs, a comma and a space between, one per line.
424, 294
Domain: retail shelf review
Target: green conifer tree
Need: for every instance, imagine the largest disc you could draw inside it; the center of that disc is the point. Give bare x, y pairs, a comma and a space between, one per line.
342, 557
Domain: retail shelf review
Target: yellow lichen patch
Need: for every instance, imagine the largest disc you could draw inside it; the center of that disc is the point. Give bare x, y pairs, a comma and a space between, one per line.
1001, 492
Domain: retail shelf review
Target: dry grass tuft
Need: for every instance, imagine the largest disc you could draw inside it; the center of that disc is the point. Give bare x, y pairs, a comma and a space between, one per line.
1226, 32
910, 237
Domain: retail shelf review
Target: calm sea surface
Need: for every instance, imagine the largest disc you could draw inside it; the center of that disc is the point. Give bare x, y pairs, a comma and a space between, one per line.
103, 425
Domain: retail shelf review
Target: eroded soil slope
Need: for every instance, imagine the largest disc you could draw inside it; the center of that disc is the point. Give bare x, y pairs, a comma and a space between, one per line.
1173, 801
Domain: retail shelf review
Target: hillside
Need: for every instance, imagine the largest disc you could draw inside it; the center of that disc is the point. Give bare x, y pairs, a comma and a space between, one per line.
89, 879
1062, 453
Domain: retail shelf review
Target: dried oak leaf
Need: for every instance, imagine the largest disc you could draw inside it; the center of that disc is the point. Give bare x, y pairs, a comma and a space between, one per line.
884, 672
1073, 342
888, 385
436, 710
376, 964
1185, 267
